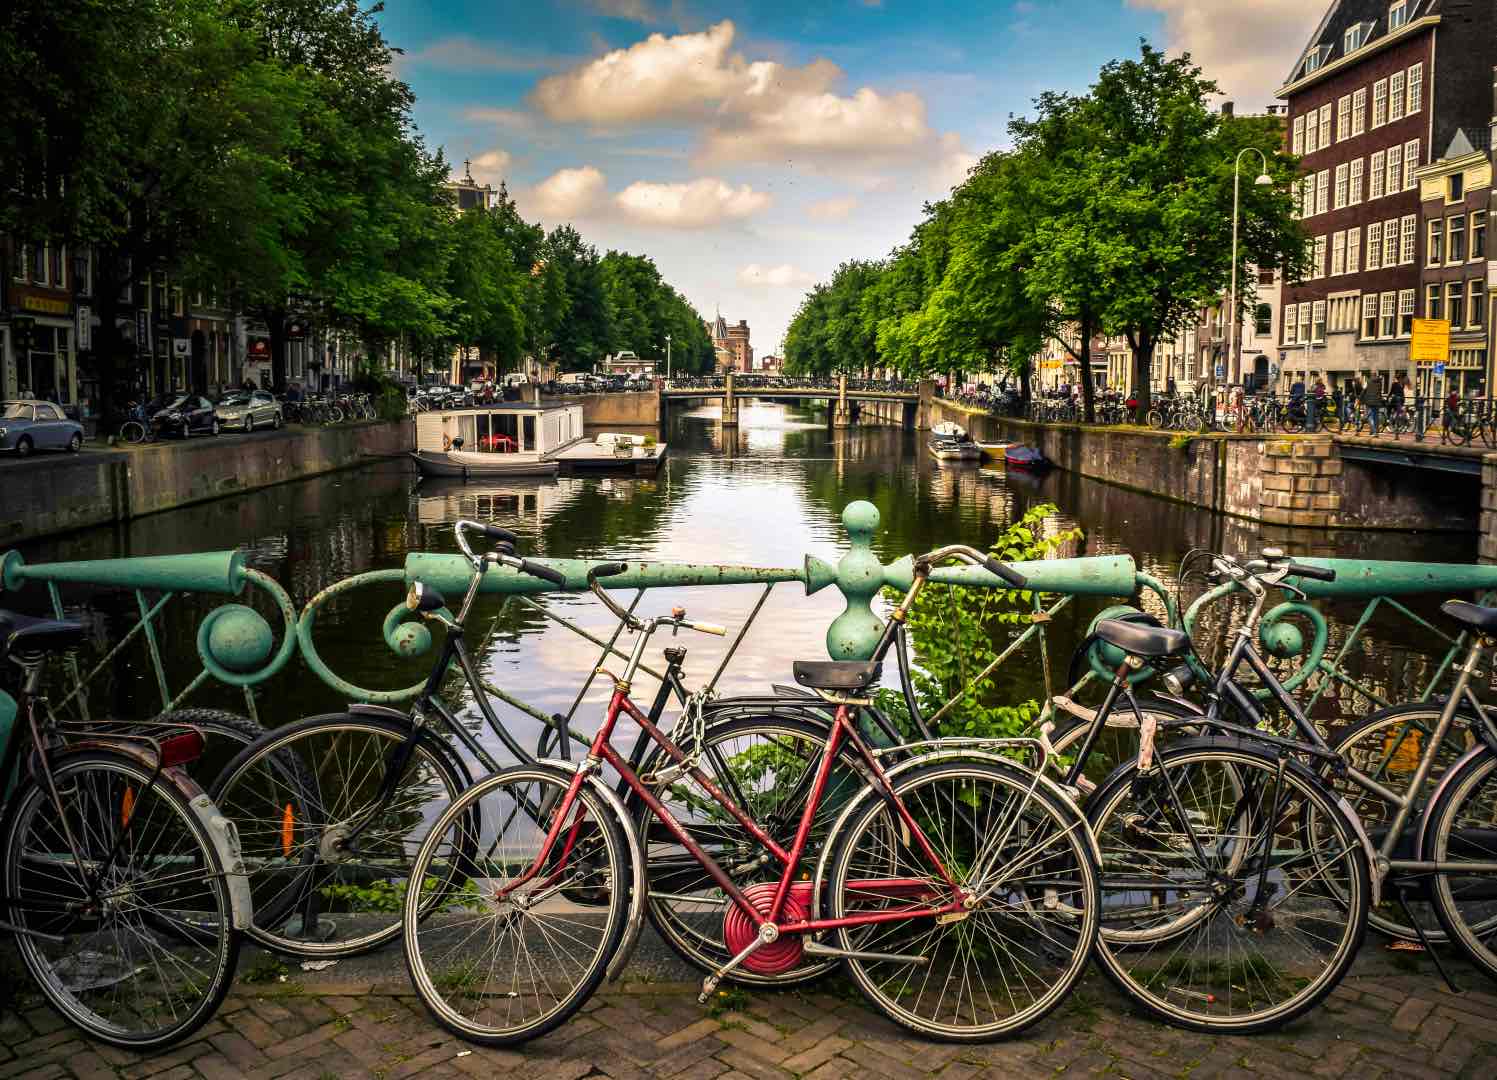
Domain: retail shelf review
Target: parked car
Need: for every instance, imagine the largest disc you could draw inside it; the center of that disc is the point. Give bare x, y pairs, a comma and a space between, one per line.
27, 425
247, 410
184, 415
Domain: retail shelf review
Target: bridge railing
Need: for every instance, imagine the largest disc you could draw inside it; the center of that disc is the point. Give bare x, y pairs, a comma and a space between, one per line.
748, 382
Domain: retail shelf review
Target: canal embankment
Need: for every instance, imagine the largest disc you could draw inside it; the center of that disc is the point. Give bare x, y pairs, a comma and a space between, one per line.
55, 494
1301, 481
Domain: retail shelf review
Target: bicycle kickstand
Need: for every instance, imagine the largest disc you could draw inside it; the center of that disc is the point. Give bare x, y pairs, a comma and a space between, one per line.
767, 932
1424, 942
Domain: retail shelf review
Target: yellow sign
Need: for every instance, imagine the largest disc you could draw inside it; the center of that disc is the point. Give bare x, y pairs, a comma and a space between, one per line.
1431, 341
45, 305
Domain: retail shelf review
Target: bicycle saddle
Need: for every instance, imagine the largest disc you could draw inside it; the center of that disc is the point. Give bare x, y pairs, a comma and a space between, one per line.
1472, 615
837, 674
25, 633
1142, 640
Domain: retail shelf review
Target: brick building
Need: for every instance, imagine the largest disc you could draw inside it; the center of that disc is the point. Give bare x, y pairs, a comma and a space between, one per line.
731, 345
1455, 194
1378, 85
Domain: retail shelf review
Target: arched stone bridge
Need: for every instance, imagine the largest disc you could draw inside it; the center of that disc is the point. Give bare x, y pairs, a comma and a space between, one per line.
845, 394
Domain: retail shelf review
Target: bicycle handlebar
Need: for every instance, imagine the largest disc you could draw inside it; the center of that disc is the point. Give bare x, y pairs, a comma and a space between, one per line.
1314, 573
505, 543
991, 563
677, 615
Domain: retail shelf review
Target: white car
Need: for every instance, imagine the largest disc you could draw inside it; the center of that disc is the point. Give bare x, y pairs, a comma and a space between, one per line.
246, 410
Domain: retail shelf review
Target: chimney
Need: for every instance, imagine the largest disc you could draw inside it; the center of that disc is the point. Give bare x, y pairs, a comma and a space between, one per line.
1226, 108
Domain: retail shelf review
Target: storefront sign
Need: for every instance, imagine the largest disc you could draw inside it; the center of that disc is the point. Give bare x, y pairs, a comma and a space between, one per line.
1431, 341
142, 333
45, 304
181, 346
84, 333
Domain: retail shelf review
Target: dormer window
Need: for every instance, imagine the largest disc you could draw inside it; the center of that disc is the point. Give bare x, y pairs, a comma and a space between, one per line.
1355, 37
1315, 57
1398, 14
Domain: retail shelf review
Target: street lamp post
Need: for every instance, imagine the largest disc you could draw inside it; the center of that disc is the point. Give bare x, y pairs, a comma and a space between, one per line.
667, 358
1263, 180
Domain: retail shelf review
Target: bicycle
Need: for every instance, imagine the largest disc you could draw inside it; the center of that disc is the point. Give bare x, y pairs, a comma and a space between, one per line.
119, 879
506, 946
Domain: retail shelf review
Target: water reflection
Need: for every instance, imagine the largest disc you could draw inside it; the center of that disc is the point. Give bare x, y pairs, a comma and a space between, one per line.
766, 494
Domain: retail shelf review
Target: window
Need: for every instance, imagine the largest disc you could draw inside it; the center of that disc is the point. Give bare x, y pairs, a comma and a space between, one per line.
1304, 323
1265, 275
1398, 14
1353, 250
1354, 195
1380, 103
1390, 243
1359, 111
1395, 96
1320, 257
1455, 232
1263, 320
1405, 312
56, 260
1434, 252
1342, 180
176, 301
1433, 308
1307, 197
86, 286
1374, 245
1407, 235
1455, 303
1298, 143
1389, 312
1343, 117
1369, 315
1476, 310
1315, 57
1325, 125
1478, 234
1291, 323
1395, 170
1416, 88
1338, 254
19, 258
39, 264
1375, 182
1354, 37
1455, 187
1410, 163
1319, 320
1322, 191
1312, 123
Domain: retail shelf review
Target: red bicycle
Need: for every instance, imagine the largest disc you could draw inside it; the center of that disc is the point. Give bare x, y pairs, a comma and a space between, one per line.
959, 887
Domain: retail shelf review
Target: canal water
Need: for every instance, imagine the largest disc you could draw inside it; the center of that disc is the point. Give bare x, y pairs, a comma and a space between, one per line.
766, 494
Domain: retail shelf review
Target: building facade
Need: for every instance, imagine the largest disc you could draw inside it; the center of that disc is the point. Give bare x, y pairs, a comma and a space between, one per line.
1378, 85
1455, 194
730, 345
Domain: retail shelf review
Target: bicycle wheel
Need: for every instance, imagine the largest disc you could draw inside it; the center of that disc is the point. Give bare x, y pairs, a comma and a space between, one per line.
1023, 860
133, 431
296, 796
146, 943
505, 959
1227, 920
1462, 827
1386, 746
766, 765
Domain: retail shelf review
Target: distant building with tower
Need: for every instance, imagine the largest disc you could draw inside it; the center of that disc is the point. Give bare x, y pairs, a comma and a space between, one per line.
730, 345
468, 194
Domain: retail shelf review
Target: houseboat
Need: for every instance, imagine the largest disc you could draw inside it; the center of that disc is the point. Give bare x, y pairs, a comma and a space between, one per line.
950, 442
508, 439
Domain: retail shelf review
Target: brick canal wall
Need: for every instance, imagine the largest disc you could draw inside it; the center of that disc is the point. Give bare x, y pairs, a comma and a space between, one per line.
1298, 481
52, 494
639, 408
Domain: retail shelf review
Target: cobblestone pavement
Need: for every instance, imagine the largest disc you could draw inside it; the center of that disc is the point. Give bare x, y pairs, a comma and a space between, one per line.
1390, 1018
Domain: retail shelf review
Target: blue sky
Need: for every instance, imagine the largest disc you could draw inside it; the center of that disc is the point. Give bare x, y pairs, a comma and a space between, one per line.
751, 147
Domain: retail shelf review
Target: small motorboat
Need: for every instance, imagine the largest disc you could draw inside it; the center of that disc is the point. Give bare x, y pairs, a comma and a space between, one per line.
1025, 457
950, 442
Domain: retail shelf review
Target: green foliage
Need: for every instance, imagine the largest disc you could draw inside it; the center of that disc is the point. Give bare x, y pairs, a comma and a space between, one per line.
956, 631
267, 969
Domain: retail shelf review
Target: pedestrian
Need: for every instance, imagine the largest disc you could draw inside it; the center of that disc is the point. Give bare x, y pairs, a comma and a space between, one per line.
1372, 401
1396, 398
1169, 387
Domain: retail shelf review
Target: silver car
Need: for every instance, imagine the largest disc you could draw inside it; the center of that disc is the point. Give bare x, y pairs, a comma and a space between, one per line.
27, 425
246, 410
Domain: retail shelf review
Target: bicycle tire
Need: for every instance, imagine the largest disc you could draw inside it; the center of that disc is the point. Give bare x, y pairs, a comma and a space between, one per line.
93, 783
1209, 1005
465, 936
1058, 910
133, 432
279, 814
1467, 908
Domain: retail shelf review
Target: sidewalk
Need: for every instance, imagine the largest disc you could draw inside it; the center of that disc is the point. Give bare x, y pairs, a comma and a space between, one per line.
1390, 1018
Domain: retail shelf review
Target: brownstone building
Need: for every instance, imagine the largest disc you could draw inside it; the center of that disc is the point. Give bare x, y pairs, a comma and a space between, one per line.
731, 345
1378, 86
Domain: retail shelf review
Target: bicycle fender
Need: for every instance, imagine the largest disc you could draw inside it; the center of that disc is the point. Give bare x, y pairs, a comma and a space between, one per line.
636, 922
932, 757
382, 712
1462, 763
1374, 878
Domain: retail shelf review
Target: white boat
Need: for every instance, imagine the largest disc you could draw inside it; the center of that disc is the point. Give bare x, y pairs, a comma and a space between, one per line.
508, 439
950, 442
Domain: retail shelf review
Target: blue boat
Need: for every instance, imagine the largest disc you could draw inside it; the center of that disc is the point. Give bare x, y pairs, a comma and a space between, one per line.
1025, 457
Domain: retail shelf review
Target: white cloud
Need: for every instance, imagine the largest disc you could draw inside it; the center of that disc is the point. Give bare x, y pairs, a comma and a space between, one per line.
748, 110
568, 193
783, 276
509, 119
640, 11
465, 53
699, 204
1247, 48
836, 209
491, 166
